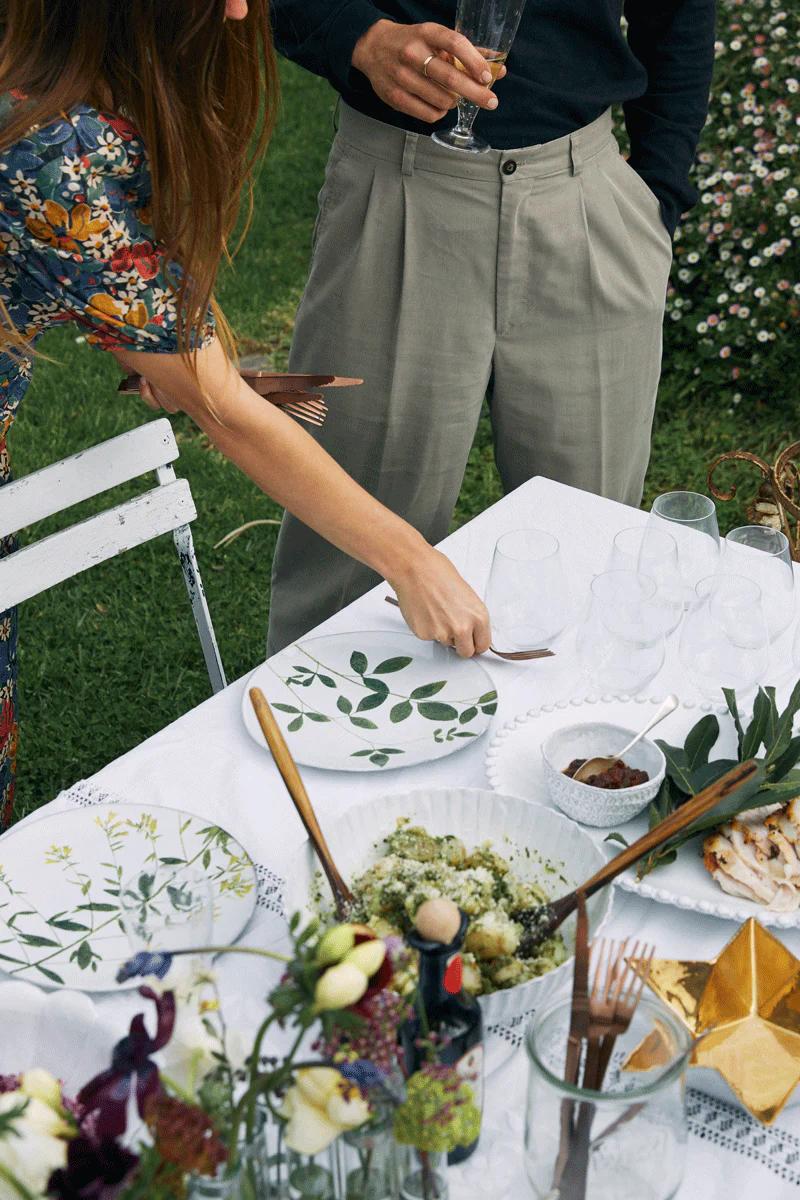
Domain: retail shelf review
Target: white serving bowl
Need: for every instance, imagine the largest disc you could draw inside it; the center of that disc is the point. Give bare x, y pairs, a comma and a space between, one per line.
560, 856
592, 805
62, 1032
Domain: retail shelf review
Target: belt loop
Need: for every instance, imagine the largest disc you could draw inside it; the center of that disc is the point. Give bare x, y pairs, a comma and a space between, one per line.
409, 153
575, 154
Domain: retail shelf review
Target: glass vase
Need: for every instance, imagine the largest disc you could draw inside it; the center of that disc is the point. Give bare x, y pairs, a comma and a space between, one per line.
250, 1179
368, 1157
624, 1142
423, 1174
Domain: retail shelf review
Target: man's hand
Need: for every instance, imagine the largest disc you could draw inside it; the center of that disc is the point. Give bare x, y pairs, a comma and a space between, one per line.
393, 58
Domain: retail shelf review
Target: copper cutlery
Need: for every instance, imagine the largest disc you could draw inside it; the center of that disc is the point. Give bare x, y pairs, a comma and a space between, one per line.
509, 655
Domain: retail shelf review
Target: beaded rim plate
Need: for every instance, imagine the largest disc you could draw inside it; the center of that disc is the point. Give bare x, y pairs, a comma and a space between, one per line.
514, 767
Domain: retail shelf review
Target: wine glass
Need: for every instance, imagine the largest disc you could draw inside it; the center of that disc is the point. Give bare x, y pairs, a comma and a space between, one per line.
620, 645
724, 642
692, 521
527, 594
652, 551
163, 910
763, 555
491, 26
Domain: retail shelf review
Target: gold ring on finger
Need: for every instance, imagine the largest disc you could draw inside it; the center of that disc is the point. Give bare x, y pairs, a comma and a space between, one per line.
429, 59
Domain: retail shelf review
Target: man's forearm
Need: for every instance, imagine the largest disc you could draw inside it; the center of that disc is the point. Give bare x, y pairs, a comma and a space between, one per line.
674, 40
320, 35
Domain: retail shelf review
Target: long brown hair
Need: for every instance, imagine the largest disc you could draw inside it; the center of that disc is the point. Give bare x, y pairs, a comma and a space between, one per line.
200, 90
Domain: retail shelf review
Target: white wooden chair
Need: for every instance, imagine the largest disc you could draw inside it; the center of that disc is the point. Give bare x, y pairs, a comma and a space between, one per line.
167, 508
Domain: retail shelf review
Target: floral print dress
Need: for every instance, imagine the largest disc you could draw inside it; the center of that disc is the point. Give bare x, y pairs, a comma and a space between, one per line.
76, 244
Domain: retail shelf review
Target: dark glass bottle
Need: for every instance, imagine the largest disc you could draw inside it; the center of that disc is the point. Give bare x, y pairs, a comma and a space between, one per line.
451, 1014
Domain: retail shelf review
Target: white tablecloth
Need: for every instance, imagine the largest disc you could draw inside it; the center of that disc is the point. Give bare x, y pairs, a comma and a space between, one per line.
205, 763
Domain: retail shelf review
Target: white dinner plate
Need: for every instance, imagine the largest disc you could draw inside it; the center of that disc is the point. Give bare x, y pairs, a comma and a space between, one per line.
60, 878
372, 701
514, 767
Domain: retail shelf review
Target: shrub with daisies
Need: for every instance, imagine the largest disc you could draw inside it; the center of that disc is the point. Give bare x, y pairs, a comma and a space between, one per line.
733, 307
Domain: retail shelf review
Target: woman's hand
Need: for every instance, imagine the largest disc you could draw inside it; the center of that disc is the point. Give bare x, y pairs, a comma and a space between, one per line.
440, 606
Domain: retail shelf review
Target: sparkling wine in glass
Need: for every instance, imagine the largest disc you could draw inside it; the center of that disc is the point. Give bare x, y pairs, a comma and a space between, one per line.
491, 26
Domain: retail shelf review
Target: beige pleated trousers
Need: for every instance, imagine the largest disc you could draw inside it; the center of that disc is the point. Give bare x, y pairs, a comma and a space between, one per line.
536, 277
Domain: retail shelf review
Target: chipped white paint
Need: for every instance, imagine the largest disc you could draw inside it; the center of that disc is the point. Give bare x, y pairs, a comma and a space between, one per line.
167, 508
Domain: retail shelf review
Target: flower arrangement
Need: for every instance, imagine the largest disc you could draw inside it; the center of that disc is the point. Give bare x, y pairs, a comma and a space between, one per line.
733, 305
202, 1096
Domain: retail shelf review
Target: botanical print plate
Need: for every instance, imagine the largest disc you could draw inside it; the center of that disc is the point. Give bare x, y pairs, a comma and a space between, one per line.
514, 766
60, 879
372, 701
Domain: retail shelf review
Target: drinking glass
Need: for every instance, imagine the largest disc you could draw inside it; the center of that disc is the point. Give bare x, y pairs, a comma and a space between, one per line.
491, 26
638, 1133
763, 555
724, 642
620, 645
692, 521
527, 594
652, 551
166, 910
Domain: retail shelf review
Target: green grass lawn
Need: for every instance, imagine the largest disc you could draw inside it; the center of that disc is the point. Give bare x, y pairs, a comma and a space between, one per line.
110, 657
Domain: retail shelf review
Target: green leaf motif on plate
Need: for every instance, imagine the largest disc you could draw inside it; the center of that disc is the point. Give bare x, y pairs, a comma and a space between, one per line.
390, 665
358, 662
427, 690
374, 700
363, 723
434, 710
469, 714
287, 708
344, 705
400, 712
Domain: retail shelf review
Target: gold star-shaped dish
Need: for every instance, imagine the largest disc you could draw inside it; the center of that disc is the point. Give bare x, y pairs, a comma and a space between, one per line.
744, 1007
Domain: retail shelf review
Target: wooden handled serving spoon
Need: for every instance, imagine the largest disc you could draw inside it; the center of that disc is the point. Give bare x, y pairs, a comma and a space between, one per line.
541, 922
285, 763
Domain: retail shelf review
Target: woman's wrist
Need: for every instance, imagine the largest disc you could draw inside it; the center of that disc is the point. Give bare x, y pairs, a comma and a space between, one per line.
402, 553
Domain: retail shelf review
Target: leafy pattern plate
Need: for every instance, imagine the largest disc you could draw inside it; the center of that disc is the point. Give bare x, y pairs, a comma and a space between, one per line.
60, 879
372, 701
514, 767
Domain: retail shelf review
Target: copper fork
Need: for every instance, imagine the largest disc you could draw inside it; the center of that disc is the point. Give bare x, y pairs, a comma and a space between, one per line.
305, 405
617, 986
509, 655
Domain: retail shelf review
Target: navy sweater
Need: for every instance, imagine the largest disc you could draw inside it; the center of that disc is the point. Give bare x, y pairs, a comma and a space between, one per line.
570, 61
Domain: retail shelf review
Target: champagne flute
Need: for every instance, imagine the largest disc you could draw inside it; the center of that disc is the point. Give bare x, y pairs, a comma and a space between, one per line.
491, 26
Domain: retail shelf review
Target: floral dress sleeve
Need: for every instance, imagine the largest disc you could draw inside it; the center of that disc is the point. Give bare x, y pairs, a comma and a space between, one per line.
77, 240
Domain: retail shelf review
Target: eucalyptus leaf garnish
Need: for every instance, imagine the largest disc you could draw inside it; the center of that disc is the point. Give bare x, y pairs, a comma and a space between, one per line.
768, 738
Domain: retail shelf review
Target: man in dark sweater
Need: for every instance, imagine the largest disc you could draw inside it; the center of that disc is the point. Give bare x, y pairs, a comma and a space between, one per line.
535, 274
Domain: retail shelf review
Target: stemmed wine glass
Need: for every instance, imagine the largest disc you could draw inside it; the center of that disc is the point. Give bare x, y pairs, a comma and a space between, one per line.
491, 26
763, 555
165, 910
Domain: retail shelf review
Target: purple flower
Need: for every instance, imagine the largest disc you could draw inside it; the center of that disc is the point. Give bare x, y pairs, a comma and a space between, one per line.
363, 1073
94, 1171
145, 963
9, 1083
104, 1100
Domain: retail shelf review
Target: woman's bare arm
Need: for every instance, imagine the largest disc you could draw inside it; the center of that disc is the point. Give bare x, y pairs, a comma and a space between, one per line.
287, 464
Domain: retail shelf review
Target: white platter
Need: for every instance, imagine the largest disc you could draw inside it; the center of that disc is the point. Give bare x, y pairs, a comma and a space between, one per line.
62, 1032
59, 883
372, 701
513, 826
514, 767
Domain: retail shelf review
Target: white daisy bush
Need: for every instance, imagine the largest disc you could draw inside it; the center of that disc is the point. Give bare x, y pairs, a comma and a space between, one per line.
733, 304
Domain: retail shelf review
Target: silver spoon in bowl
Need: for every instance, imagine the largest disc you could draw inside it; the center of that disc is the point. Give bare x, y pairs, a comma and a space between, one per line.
596, 766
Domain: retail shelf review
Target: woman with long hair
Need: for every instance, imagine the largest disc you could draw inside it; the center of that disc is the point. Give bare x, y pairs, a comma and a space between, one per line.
128, 130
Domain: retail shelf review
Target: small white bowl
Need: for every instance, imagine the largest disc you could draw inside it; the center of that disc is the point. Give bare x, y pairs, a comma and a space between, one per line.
592, 805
